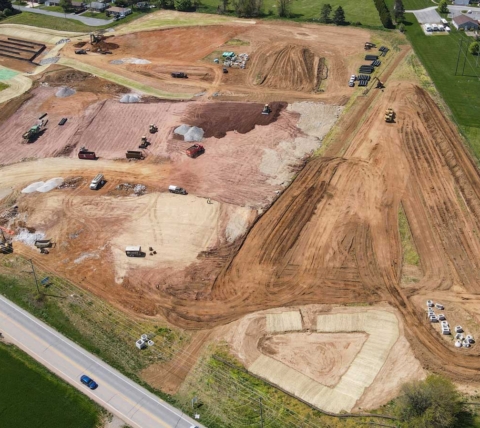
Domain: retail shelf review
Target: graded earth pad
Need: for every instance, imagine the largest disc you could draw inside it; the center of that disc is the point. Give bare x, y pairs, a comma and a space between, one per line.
339, 358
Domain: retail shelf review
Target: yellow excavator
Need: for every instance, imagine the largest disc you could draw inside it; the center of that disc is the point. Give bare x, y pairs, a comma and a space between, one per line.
5, 244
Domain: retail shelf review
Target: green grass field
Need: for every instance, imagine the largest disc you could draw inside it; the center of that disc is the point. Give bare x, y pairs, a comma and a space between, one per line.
52, 8
308, 10
412, 4
31, 396
439, 56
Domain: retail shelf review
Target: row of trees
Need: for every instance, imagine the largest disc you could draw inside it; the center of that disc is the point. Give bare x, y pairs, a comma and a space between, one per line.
384, 13
6, 8
338, 16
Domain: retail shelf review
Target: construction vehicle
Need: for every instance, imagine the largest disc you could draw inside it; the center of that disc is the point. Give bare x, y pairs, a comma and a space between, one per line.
144, 143
134, 251
43, 243
80, 51
85, 154
96, 37
195, 150
266, 109
179, 75
177, 190
389, 115
132, 154
5, 243
380, 85
96, 182
369, 45
34, 131
153, 129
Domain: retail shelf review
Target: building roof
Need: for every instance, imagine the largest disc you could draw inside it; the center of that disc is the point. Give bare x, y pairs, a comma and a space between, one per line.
464, 19
97, 5
118, 9
78, 3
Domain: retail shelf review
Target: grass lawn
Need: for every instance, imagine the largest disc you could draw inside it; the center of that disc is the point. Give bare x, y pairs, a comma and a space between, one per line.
98, 15
412, 4
308, 10
31, 396
53, 9
3, 86
439, 56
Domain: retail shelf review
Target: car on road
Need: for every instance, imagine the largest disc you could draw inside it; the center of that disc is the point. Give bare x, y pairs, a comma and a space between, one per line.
89, 382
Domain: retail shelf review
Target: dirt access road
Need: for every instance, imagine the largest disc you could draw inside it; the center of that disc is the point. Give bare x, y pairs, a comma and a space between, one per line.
332, 237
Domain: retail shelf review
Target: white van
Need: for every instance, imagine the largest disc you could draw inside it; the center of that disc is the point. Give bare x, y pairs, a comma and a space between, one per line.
441, 27
434, 27
96, 182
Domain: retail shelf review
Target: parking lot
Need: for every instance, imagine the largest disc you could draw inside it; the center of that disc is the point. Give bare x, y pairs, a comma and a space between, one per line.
429, 16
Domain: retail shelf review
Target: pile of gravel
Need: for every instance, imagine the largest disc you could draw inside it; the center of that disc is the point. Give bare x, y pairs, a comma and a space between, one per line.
51, 184
130, 98
52, 60
116, 61
139, 189
135, 61
33, 187
28, 238
194, 134
62, 41
182, 129
65, 92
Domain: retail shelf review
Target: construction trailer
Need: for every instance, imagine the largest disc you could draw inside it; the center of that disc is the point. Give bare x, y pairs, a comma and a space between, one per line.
132, 154
86, 154
133, 251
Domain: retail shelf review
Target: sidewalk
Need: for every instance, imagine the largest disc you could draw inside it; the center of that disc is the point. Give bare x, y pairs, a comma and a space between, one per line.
92, 22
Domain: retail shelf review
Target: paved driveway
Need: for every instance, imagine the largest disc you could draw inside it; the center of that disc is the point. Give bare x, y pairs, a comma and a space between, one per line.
92, 22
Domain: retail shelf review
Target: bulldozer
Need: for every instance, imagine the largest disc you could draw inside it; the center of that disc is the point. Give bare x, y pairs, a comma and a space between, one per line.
266, 109
34, 131
389, 115
153, 129
5, 243
144, 144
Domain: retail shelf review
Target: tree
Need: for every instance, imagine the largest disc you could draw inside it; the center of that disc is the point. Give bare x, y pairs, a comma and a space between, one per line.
66, 5
165, 4
339, 16
474, 48
248, 8
443, 6
284, 8
224, 4
401, 27
5, 4
432, 403
384, 13
399, 11
325, 13
183, 5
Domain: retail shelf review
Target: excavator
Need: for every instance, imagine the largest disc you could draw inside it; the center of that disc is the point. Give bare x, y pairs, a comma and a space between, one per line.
34, 131
5, 244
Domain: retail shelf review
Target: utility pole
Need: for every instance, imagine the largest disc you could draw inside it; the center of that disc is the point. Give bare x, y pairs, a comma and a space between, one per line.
261, 412
35, 276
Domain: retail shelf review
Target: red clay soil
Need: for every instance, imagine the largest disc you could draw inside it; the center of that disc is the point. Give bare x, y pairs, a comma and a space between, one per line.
332, 237
216, 119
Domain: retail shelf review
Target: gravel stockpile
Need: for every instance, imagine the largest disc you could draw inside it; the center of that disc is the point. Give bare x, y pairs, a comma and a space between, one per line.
33, 187
51, 184
194, 134
182, 129
52, 60
130, 98
28, 238
65, 91
138, 61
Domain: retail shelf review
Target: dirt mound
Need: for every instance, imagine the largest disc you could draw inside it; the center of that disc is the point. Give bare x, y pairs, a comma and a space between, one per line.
104, 46
289, 67
216, 119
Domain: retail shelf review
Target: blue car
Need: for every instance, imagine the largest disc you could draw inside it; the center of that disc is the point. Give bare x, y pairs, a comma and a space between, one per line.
89, 382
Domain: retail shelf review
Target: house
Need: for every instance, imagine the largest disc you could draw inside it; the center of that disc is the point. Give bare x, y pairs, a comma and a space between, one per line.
97, 6
461, 2
465, 22
118, 11
143, 5
78, 5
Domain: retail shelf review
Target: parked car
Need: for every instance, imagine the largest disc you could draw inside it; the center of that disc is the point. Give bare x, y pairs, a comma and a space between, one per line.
89, 382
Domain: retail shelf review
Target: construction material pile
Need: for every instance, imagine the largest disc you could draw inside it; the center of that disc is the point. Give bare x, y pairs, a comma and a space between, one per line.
43, 186
236, 60
137, 61
130, 98
65, 92
190, 133
27, 237
52, 60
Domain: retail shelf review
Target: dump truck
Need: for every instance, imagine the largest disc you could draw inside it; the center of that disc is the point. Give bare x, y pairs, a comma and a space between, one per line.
177, 190
179, 75
132, 154
389, 115
195, 150
85, 154
96, 182
34, 130
133, 251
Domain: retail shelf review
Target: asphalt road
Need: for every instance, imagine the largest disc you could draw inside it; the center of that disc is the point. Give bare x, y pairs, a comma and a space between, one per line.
118, 394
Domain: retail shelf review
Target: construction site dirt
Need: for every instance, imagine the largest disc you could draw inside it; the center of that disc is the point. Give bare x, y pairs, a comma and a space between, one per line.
265, 225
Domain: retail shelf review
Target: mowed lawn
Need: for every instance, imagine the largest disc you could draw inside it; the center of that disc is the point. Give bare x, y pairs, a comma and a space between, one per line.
439, 55
31, 396
412, 4
308, 10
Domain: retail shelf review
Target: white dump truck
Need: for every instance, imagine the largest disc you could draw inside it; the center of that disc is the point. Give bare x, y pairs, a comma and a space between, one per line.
96, 182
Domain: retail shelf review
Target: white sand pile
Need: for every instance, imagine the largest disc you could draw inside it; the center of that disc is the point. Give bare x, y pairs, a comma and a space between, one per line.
194, 134
135, 61
33, 187
182, 129
51, 184
28, 238
65, 91
130, 98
